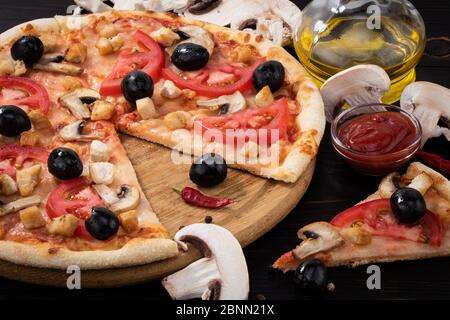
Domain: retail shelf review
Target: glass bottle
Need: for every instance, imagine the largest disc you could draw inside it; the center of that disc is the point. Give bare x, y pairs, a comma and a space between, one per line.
337, 34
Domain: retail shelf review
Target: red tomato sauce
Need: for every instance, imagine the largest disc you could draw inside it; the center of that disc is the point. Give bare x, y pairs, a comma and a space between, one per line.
378, 133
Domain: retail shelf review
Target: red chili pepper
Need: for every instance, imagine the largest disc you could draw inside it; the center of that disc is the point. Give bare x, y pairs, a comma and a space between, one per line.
198, 199
436, 161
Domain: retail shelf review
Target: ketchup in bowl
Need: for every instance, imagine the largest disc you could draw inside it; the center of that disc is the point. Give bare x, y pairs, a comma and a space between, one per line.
376, 139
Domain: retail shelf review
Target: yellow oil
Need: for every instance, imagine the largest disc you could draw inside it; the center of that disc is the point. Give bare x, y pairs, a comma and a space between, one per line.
347, 41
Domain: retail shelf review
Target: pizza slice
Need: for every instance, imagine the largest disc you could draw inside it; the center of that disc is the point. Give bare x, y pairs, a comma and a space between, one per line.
212, 89
370, 232
69, 193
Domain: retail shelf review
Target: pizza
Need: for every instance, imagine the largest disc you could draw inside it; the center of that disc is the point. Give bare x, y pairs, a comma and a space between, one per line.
407, 218
69, 194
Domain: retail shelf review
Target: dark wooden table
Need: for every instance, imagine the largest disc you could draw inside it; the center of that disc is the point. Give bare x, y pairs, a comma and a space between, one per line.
335, 187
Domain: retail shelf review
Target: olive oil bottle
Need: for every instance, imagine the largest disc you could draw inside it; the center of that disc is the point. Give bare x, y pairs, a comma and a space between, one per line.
335, 35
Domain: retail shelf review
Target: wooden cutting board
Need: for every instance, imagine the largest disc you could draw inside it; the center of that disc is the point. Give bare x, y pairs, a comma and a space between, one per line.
260, 205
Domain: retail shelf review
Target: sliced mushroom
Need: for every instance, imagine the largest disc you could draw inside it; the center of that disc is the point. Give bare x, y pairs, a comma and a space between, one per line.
422, 183
196, 35
317, 237
389, 185
359, 85
102, 172
74, 132
228, 104
107, 194
128, 199
221, 275
52, 57
19, 204
63, 67
429, 102
78, 100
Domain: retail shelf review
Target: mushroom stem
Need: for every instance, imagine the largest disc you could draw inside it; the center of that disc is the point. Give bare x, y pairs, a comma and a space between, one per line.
427, 115
221, 275
203, 275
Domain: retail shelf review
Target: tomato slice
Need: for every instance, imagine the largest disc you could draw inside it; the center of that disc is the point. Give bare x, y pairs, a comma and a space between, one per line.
73, 196
263, 125
199, 82
150, 61
19, 154
35, 94
377, 218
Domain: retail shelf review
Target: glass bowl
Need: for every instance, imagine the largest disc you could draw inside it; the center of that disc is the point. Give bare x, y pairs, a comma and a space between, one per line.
374, 165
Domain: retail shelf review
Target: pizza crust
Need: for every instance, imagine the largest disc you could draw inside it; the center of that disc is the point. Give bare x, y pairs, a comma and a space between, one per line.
45, 25
311, 119
42, 255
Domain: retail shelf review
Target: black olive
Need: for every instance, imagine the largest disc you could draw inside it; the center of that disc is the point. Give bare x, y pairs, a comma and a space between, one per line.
102, 224
408, 205
29, 49
137, 85
311, 275
190, 57
64, 164
13, 121
208, 170
270, 73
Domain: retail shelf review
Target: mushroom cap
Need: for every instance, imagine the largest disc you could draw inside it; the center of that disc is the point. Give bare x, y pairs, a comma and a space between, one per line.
431, 95
429, 102
219, 243
358, 85
221, 14
96, 6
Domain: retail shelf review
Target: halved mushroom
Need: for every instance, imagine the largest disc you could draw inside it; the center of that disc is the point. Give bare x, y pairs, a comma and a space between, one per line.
78, 100
95, 6
196, 35
128, 199
19, 204
228, 104
429, 102
317, 237
74, 132
359, 85
221, 275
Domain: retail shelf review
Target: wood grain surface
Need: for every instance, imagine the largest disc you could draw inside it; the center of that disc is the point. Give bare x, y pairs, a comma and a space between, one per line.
260, 204
334, 188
